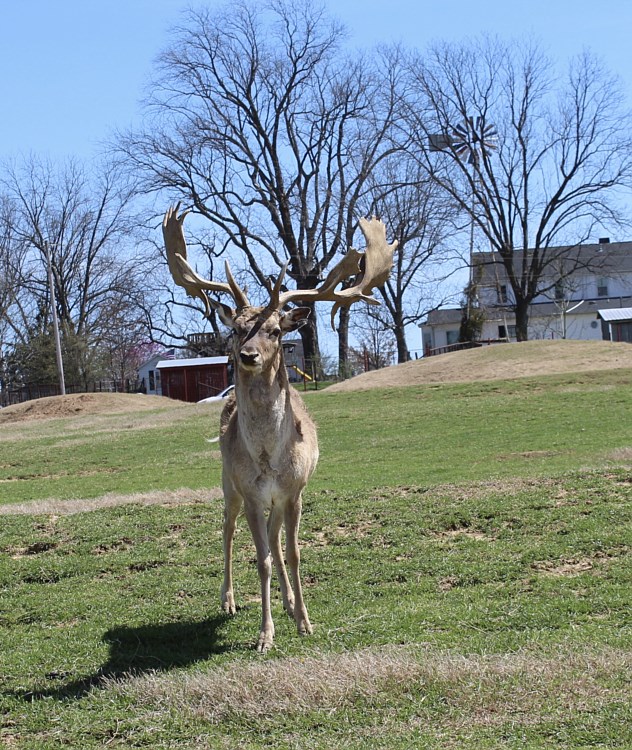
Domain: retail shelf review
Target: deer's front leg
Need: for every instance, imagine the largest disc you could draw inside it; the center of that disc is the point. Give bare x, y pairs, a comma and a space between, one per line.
292, 521
258, 527
232, 506
275, 520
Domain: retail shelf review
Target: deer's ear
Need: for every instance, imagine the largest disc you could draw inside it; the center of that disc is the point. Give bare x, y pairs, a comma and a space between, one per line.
295, 318
225, 314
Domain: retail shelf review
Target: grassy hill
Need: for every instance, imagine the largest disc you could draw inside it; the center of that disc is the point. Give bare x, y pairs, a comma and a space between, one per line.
466, 562
499, 362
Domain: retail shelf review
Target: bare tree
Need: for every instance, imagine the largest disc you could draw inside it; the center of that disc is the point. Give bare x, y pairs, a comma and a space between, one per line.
86, 222
419, 216
262, 125
12, 254
538, 162
376, 347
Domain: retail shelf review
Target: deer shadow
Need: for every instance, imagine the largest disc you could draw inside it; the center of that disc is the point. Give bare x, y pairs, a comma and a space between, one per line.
142, 649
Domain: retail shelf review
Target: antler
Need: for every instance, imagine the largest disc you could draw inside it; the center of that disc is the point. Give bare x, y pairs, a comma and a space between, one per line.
373, 266
184, 275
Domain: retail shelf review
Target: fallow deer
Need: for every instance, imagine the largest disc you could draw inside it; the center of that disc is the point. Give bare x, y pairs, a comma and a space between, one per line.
268, 442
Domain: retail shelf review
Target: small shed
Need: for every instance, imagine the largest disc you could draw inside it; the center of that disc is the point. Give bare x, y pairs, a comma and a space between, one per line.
193, 379
616, 324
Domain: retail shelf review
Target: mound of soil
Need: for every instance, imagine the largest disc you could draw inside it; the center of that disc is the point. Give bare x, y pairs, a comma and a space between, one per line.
497, 362
55, 407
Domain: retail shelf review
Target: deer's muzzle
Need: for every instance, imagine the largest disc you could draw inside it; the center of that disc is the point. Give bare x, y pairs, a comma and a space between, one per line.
249, 357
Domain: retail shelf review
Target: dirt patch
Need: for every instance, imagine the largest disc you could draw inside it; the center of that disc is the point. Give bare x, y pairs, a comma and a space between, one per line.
56, 407
466, 533
564, 568
499, 362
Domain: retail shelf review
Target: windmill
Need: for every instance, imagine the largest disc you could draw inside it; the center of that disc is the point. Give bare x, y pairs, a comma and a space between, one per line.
473, 138
470, 141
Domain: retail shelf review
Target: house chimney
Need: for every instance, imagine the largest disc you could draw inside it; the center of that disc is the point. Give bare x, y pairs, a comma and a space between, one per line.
604, 240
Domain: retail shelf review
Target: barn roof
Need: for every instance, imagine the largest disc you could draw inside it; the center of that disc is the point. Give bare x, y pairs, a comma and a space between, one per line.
194, 362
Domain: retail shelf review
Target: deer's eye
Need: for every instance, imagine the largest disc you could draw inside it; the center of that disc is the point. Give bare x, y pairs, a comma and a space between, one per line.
275, 333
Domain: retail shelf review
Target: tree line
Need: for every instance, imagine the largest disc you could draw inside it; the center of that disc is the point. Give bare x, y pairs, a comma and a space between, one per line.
279, 138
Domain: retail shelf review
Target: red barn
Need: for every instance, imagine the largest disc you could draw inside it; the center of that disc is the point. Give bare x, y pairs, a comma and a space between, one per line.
193, 379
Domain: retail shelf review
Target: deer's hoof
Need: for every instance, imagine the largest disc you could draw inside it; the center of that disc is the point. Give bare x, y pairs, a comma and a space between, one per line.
304, 626
266, 639
228, 603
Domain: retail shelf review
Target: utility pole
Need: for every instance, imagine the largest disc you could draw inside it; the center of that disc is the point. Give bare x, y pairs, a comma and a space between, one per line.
53, 305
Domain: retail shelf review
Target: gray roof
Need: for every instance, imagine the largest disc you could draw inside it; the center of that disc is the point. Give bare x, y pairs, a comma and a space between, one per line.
618, 313
607, 258
446, 315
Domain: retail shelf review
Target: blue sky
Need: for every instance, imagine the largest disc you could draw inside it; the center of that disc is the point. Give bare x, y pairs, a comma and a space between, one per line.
71, 71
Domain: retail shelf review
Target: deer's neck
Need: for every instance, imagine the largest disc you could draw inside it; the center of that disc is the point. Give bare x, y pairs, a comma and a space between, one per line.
263, 407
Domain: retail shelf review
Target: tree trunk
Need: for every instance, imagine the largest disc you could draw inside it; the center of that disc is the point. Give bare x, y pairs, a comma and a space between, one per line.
403, 355
522, 320
343, 343
311, 350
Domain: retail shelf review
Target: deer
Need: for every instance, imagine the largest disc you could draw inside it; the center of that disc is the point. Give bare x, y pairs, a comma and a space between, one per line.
268, 441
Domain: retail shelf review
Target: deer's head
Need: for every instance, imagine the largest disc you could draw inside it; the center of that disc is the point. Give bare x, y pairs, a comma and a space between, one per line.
257, 331
257, 334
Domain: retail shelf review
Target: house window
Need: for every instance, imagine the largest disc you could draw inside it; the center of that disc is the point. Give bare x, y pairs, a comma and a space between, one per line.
559, 290
502, 332
602, 287
152, 381
512, 331
502, 294
452, 337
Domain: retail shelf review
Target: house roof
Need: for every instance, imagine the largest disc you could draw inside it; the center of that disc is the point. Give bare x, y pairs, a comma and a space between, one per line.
610, 256
591, 307
155, 358
444, 316
618, 313
194, 362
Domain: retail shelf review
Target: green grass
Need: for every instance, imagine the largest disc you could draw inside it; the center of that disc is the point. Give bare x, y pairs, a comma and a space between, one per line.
414, 435
466, 561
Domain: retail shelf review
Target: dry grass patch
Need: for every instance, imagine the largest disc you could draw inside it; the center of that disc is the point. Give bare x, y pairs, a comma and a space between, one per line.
523, 687
621, 455
111, 500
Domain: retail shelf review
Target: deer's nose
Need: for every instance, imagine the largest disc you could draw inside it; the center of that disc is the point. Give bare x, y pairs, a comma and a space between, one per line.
249, 356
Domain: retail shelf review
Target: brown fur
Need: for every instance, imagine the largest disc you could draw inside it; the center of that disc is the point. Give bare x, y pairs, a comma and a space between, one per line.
269, 449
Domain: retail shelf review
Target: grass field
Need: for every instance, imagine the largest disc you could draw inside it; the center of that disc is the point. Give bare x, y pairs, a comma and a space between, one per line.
466, 563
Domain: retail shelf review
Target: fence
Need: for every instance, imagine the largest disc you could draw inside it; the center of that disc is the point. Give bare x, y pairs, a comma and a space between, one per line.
463, 345
32, 391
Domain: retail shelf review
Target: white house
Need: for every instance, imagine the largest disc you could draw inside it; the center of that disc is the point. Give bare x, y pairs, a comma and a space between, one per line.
575, 304
149, 375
